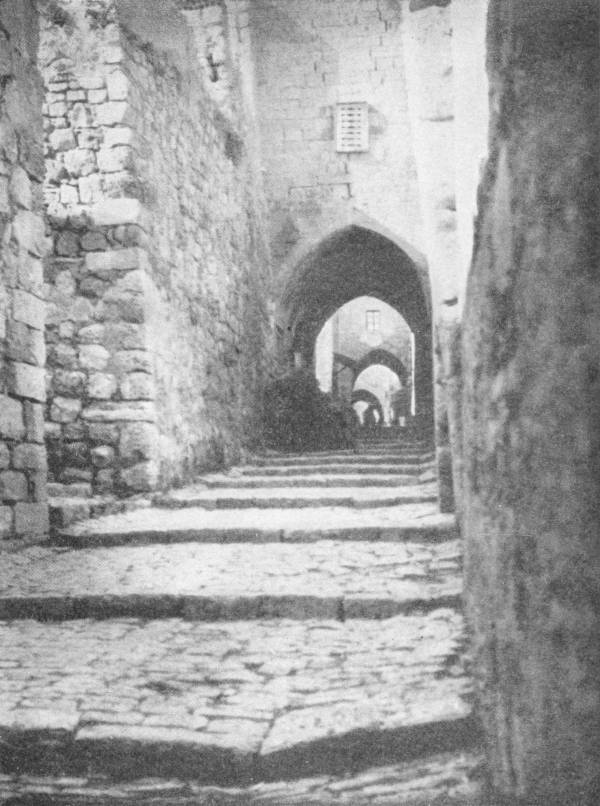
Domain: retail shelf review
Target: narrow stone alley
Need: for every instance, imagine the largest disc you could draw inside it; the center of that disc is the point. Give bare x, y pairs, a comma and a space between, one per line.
288, 632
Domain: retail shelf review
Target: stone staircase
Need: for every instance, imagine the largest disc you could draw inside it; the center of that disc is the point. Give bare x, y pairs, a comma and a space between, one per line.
288, 632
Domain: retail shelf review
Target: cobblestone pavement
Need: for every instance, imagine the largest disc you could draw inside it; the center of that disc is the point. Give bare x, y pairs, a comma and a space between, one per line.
443, 780
244, 655
327, 579
156, 524
234, 691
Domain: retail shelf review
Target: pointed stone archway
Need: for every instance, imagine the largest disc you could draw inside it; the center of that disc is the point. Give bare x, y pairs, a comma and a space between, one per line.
349, 263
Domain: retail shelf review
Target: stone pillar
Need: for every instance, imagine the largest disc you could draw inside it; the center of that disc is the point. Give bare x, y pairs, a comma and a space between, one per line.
23, 508
532, 407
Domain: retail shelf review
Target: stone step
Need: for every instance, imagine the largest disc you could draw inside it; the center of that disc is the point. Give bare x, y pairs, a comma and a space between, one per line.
331, 468
294, 498
421, 522
329, 579
446, 779
230, 480
232, 703
335, 458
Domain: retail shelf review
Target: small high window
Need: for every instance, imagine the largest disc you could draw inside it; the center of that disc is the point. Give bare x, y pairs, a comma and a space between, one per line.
352, 127
372, 321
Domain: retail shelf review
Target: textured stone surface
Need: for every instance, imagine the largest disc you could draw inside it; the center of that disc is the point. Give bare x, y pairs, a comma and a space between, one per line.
531, 404
293, 692
327, 578
445, 779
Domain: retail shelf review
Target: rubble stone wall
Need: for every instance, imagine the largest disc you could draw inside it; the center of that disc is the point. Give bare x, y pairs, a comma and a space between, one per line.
23, 508
157, 321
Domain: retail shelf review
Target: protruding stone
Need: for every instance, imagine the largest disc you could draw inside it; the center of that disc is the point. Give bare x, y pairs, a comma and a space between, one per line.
65, 409
137, 386
93, 357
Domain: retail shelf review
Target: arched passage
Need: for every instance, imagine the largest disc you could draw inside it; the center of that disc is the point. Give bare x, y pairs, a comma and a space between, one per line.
364, 396
386, 359
355, 262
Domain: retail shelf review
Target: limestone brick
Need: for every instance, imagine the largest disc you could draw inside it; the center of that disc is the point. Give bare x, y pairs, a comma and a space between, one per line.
6, 522
25, 344
27, 456
31, 519
101, 386
64, 409
141, 477
28, 232
34, 421
13, 486
93, 357
102, 456
20, 188
29, 309
12, 425
27, 381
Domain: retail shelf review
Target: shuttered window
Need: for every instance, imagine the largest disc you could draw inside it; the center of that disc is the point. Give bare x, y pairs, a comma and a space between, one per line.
352, 127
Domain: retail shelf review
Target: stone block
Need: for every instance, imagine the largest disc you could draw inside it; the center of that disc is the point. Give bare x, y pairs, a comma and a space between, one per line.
29, 457
91, 334
93, 357
6, 522
65, 409
74, 432
30, 274
138, 442
38, 486
97, 96
13, 486
118, 158
121, 412
68, 382
29, 232
104, 433
69, 194
29, 309
90, 189
137, 386
31, 520
101, 386
4, 456
76, 454
80, 161
20, 188
118, 136
25, 344
142, 477
34, 421
117, 85
27, 381
112, 113
63, 355
105, 482
94, 242
103, 456
133, 361
125, 336
105, 263
112, 212
67, 244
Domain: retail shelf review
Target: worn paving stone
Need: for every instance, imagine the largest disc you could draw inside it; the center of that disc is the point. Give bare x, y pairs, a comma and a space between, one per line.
420, 521
325, 579
449, 779
241, 699
331, 468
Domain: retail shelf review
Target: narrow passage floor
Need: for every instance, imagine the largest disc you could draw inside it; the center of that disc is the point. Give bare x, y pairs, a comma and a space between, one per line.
289, 632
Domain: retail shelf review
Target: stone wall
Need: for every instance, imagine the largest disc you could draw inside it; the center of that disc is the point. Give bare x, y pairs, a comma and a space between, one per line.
157, 320
23, 511
532, 407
